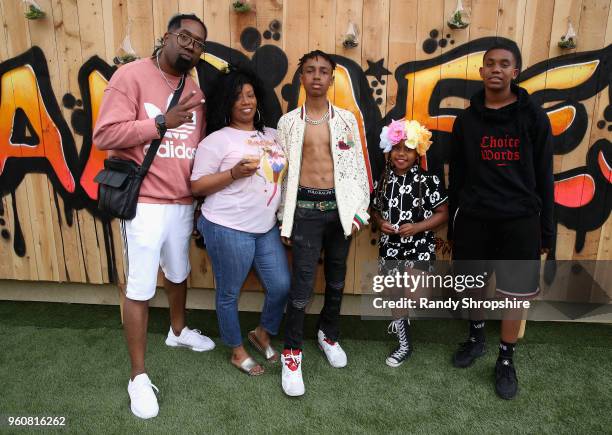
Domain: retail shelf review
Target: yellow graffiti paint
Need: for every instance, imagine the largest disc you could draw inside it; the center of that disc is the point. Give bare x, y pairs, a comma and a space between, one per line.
97, 83
215, 61
20, 90
421, 85
341, 94
563, 77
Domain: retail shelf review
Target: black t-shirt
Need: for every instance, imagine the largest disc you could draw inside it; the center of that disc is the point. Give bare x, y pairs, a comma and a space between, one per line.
400, 205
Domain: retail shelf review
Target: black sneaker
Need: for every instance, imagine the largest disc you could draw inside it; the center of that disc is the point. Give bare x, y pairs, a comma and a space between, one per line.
398, 356
401, 328
468, 352
506, 383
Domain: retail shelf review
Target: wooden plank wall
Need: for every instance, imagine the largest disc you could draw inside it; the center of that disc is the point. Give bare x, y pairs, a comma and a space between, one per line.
63, 244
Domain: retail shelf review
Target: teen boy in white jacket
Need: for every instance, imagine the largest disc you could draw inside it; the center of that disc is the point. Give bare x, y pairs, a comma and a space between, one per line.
325, 199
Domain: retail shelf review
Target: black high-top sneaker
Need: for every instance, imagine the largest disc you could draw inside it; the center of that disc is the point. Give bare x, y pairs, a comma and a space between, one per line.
468, 352
401, 328
506, 383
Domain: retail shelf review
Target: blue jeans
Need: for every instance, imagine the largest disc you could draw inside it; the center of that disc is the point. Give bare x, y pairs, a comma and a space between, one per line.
232, 254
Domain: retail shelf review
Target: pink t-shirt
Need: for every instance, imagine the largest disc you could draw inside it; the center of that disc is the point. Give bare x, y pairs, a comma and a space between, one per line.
248, 204
135, 95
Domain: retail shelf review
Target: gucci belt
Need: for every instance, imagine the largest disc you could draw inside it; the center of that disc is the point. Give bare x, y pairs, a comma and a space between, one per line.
318, 205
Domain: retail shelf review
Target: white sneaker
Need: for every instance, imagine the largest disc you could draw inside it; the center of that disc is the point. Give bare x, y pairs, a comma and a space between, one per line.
332, 350
142, 398
293, 384
190, 338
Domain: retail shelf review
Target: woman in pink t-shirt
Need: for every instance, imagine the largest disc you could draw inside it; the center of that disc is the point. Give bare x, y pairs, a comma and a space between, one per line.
239, 168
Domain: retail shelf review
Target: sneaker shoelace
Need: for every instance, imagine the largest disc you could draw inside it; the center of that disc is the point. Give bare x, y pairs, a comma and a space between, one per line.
467, 345
329, 341
148, 384
194, 331
396, 327
292, 361
393, 326
399, 353
506, 370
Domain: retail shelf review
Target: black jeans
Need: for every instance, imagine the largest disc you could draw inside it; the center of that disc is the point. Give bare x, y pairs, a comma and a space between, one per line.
314, 230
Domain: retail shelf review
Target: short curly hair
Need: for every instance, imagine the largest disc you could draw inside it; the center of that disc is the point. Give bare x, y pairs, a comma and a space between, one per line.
177, 20
225, 94
507, 45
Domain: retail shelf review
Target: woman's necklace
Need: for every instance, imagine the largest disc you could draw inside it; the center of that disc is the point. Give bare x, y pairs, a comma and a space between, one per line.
164, 76
317, 121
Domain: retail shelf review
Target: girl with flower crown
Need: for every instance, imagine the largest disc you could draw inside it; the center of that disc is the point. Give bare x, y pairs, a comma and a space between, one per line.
408, 204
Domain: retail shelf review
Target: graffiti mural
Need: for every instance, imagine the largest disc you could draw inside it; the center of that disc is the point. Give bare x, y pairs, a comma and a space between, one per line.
36, 138
582, 195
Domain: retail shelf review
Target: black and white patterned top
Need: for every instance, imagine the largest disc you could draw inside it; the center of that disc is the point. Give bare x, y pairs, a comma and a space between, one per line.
401, 205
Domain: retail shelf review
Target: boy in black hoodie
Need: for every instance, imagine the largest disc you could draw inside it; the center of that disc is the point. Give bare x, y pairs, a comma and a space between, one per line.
501, 200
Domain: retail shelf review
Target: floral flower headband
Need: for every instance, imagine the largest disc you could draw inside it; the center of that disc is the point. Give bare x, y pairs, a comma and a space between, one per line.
415, 136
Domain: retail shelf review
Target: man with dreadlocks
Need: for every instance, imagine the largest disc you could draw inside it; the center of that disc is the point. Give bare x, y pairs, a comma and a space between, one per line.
408, 204
133, 114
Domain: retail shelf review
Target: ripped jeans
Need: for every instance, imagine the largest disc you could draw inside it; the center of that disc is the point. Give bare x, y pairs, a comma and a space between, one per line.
314, 230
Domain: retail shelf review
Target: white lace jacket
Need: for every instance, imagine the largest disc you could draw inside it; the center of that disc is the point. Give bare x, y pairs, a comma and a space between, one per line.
350, 176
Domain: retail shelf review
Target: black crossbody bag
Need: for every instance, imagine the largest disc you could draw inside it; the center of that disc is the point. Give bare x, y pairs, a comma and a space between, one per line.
120, 180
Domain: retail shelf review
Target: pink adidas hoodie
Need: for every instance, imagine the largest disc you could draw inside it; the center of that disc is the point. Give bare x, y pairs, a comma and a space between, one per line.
135, 95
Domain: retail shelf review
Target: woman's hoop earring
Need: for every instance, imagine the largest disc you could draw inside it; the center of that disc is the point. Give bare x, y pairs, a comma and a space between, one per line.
258, 114
226, 121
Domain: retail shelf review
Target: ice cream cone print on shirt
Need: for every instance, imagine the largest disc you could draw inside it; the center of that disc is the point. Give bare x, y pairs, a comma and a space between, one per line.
274, 167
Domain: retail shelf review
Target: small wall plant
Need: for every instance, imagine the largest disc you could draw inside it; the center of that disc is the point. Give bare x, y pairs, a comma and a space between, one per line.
460, 18
241, 6
33, 10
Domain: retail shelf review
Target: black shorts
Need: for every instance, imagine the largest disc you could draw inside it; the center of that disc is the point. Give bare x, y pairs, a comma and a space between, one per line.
509, 247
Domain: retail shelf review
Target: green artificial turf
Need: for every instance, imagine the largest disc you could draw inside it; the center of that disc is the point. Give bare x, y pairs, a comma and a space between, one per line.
71, 360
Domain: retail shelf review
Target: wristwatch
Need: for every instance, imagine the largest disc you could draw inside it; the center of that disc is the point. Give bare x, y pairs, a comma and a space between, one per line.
160, 123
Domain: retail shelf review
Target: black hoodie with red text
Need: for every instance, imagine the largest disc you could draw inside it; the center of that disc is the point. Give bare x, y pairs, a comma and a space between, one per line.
502, 163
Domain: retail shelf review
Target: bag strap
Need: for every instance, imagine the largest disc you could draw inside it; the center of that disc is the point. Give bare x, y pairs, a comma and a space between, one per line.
152, 151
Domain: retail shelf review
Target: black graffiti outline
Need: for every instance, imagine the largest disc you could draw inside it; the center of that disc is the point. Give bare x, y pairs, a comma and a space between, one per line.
439, 153
577, 219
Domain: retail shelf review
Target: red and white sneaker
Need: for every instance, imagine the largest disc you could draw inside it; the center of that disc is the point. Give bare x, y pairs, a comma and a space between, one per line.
332, 350
293, 384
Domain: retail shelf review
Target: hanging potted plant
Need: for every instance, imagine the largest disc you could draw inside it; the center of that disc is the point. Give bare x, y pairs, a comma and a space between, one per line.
33, 10
568, 41
460, 18
351, 38
242, 6
126, 52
